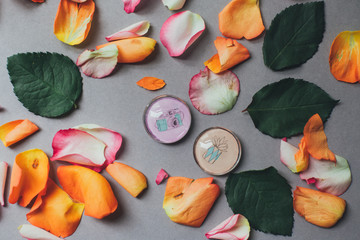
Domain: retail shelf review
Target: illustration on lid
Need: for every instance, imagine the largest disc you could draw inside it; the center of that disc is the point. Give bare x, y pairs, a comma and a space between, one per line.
169, 120
219, 145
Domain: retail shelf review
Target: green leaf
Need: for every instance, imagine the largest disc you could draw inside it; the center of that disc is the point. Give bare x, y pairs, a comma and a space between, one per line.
264, 198
294, 35
282, 109
48, 84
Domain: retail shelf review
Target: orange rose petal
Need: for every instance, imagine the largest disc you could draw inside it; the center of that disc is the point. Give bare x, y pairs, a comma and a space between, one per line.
315, 139
230, 53
29, 176
241, 18
133, 50
319, 208
73, 21
302, 157
344, 57
151, 83
129, 178
55, 211
89, 187
15, 131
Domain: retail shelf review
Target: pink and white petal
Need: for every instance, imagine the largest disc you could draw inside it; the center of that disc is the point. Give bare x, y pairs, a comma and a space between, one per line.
180, 31
130, 5
79, 1
112, 140
287, 155
174, 4
236, 227
162, 175
79, 147
98, 63
330, 177
134, 30
34, 233
212, 93
3, 173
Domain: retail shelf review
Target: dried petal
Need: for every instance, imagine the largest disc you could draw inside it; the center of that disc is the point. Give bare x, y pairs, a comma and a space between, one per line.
55, 211
151, 83
79, 1
230, 53
319, 208
212, 93
14, 131
330, 177
188, 201
73, 21
241, 18
287, 155
236, 227
34, 233
38, 1
344, 57
129, 178
162, 175
98, 63
174, 4
132, 50
88, 187
180, 31
302, 157
29, 176
130, 5
3, 173
315, 139
132, 31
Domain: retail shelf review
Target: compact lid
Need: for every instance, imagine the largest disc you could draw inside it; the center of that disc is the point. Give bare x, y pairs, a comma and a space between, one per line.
167, 119
217, 150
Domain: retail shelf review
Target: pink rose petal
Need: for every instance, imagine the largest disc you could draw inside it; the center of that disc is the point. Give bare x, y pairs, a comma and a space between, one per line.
130, 5
134, 30
180, 31
3, 173
34, 233
79, 1
236, 227
330, 177
174, 4
98, 63
112, 140
162, 175
212, 93
80, 147
287, 155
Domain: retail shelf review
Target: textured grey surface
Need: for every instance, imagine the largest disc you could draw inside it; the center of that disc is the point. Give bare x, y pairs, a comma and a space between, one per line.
116, 102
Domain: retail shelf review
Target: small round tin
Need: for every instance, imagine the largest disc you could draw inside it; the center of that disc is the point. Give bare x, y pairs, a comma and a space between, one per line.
217, 151
167, 119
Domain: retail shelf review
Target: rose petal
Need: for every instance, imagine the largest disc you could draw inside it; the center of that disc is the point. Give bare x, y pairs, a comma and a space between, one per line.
174, 4
287, 155
330, 177
230, 53
34, 233
319, 208
3, 173
344, 57
212, 93
130, 5
132, 50
55, 211
180, 31
236, 227
241, 18
38, 1
129, 178
315, 139
132, 31
77, 146
162, 175
14, 131
73, 21
98, 63
79, 1
89, 187
29, 176
151, 83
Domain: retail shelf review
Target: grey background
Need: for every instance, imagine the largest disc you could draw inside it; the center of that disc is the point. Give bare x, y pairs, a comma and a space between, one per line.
116, 102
